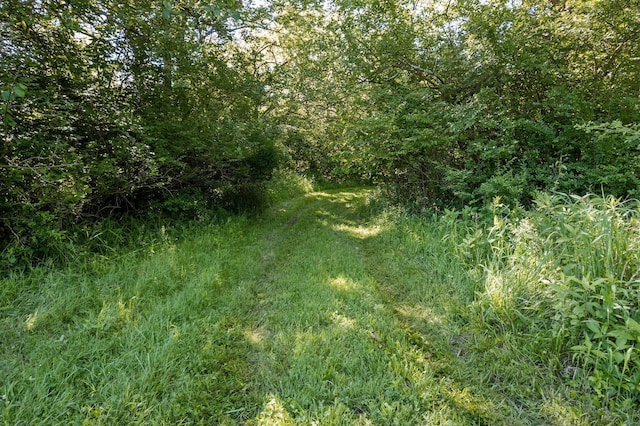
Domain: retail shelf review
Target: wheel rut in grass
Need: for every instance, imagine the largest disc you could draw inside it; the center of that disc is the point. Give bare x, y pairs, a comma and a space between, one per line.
327, 340
354, 326
321, 311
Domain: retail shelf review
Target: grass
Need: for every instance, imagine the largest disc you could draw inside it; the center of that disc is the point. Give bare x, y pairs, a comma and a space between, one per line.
325, 310
566, 274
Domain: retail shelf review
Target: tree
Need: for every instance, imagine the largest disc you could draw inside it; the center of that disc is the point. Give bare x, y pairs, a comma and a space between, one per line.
456, 102
109, 106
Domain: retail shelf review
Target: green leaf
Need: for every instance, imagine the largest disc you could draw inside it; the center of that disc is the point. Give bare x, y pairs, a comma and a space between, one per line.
622, 337
633, 325
618, 357
181, 84
168, 8
216, 11
579, 310
594, 327
20, 90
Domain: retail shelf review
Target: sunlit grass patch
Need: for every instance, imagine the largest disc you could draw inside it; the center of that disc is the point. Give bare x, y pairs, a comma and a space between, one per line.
344, 283
300, 316
424, 314
257, 335
361, 232
273, 414
343, 321
31, 321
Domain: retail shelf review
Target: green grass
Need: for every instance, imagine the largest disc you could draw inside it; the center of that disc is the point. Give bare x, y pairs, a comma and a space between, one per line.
566, 275
325, 310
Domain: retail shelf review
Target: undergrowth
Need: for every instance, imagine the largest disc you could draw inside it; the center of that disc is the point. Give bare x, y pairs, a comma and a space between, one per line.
93, 239
286, 184
565, 276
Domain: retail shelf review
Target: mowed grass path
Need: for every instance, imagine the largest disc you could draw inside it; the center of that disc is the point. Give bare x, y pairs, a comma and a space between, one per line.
319, 312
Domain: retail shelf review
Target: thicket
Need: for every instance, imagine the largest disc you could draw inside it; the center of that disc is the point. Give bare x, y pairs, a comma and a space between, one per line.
112, 107
453, 103
116, 107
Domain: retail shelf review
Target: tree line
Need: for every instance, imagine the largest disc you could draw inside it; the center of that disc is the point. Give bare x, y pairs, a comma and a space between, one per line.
452, 103
113, 107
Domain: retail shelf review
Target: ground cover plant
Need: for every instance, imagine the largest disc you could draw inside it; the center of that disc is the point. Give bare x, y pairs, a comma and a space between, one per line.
565, 274
327, 309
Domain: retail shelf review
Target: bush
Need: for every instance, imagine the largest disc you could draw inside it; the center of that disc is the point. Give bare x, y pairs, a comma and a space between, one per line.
246, 198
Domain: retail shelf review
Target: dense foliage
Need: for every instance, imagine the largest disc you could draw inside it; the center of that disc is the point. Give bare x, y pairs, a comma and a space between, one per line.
117, 106
565, 275
114, 106
455, 102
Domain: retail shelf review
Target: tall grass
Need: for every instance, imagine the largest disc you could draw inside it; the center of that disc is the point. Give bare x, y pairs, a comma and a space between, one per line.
286, 184
566, 275
334, 308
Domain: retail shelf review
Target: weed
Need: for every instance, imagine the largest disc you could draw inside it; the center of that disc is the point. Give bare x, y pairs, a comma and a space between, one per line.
566, 274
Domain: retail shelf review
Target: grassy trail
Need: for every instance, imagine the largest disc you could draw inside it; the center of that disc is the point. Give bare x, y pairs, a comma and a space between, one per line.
318, 313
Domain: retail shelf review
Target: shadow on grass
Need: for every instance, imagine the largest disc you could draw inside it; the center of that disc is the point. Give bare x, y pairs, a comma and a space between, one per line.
379, 333
321, 312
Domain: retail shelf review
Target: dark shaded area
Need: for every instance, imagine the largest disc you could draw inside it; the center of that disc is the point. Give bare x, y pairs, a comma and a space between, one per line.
112, 110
